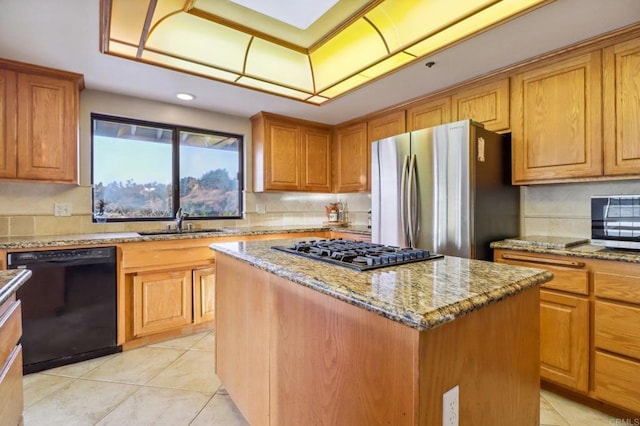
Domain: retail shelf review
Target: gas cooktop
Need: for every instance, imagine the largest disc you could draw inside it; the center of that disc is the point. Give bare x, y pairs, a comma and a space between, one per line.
358, 255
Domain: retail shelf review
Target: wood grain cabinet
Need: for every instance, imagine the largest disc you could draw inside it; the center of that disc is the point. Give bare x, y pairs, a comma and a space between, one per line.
428, 113
204, 288
487, 103
161, 301
556, 121
351, 161
38, 123
11, 389
290, 154
564, 318
622, 109
617, 335
386, 125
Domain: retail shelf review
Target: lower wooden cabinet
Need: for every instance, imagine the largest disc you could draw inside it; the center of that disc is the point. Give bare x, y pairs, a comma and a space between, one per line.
564, 340
204, 294
161, 301
590, 326
11, 391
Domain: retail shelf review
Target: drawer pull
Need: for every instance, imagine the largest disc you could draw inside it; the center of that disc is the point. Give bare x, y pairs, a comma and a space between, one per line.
533, 259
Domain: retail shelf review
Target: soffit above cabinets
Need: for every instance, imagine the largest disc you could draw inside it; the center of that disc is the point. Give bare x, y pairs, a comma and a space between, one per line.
355, 42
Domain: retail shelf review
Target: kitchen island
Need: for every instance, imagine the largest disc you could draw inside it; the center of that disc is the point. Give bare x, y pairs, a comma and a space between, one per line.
304, 342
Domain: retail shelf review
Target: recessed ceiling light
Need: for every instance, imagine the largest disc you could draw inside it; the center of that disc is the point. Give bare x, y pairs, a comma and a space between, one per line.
185, 96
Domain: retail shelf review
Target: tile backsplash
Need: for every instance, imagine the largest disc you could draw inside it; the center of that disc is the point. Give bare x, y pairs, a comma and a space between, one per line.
28, 209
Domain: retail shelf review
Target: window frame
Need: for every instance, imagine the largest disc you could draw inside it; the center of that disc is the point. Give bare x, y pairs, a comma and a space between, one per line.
175, 166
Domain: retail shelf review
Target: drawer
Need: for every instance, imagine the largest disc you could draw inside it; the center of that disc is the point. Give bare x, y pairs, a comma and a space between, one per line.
10, 330
569, 274
11, 391
7, 304
617, 380
617, 328
166, 257
625, 288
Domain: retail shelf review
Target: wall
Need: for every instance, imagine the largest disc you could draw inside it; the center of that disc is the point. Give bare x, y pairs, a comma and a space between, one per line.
565, 209
27, 208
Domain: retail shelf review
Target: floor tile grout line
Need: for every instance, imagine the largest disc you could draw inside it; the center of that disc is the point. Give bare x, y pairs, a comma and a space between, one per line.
140, 387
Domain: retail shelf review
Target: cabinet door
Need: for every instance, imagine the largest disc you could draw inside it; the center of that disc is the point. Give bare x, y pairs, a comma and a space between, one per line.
161, 301
556, 121
487, 104
387, 125
282, 157
204, 298
8, 147
564, 340
48, 129
352, 158
316, 160
428, 114
622, 109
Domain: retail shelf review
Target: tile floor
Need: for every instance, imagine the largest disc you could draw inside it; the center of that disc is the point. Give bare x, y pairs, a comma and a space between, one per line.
173, 383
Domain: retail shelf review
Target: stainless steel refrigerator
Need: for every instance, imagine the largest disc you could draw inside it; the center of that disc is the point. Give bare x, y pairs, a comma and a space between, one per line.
446, 189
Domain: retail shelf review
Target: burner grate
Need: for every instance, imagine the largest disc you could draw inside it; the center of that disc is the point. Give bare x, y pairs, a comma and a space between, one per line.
357, 255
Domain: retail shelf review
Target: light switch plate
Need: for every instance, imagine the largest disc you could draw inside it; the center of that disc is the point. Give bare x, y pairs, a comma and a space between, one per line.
62, 209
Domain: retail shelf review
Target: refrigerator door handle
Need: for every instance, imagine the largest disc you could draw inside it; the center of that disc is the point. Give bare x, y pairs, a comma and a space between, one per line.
404, 214
412, 204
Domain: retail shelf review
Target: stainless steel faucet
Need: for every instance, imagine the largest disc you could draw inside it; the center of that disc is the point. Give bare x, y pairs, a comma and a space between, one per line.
180, 216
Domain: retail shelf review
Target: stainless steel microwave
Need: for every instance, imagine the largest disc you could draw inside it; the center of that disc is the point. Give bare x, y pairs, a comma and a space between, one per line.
615, 221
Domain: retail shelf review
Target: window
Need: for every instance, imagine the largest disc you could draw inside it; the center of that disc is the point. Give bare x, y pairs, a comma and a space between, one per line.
147, 171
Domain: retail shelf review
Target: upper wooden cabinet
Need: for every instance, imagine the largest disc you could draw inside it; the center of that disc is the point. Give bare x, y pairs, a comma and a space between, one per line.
622, 109
556, 121
384, 126
290, 155
38, 123
351, 165
487, 104
425, 114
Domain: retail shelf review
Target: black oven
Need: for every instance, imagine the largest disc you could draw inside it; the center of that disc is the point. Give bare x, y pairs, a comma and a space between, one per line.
68, 305
615, 221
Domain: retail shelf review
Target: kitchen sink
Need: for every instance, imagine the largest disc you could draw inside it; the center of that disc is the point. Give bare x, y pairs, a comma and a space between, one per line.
184, 231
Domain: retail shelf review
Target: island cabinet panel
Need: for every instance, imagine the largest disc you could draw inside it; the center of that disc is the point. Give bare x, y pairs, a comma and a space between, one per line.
292, 355
622, 109
556, 121
352, 156
242, 336
487, 104
428, 113
330, 352
474, 356
161, 301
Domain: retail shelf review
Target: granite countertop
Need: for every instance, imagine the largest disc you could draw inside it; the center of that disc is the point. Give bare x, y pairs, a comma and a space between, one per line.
421, 295
566, 246
127, 237
12, 280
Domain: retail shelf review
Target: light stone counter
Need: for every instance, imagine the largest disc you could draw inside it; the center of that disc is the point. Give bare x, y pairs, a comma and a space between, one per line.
421, 295
10, 281
566, 246
54, 241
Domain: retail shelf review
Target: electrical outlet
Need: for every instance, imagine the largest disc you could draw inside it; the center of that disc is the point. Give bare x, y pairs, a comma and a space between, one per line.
62, 209
261, 208
450, 407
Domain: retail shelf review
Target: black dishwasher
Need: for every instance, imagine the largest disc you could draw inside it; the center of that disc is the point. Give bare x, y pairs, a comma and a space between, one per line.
68, 306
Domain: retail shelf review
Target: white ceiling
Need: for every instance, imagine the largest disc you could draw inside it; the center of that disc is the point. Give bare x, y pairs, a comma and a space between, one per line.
64, 34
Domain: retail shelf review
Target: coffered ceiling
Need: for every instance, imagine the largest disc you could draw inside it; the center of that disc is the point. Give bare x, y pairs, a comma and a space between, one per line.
66, 34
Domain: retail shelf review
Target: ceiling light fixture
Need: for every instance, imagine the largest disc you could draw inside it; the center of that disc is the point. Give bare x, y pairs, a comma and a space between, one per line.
185, 96
352, 44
